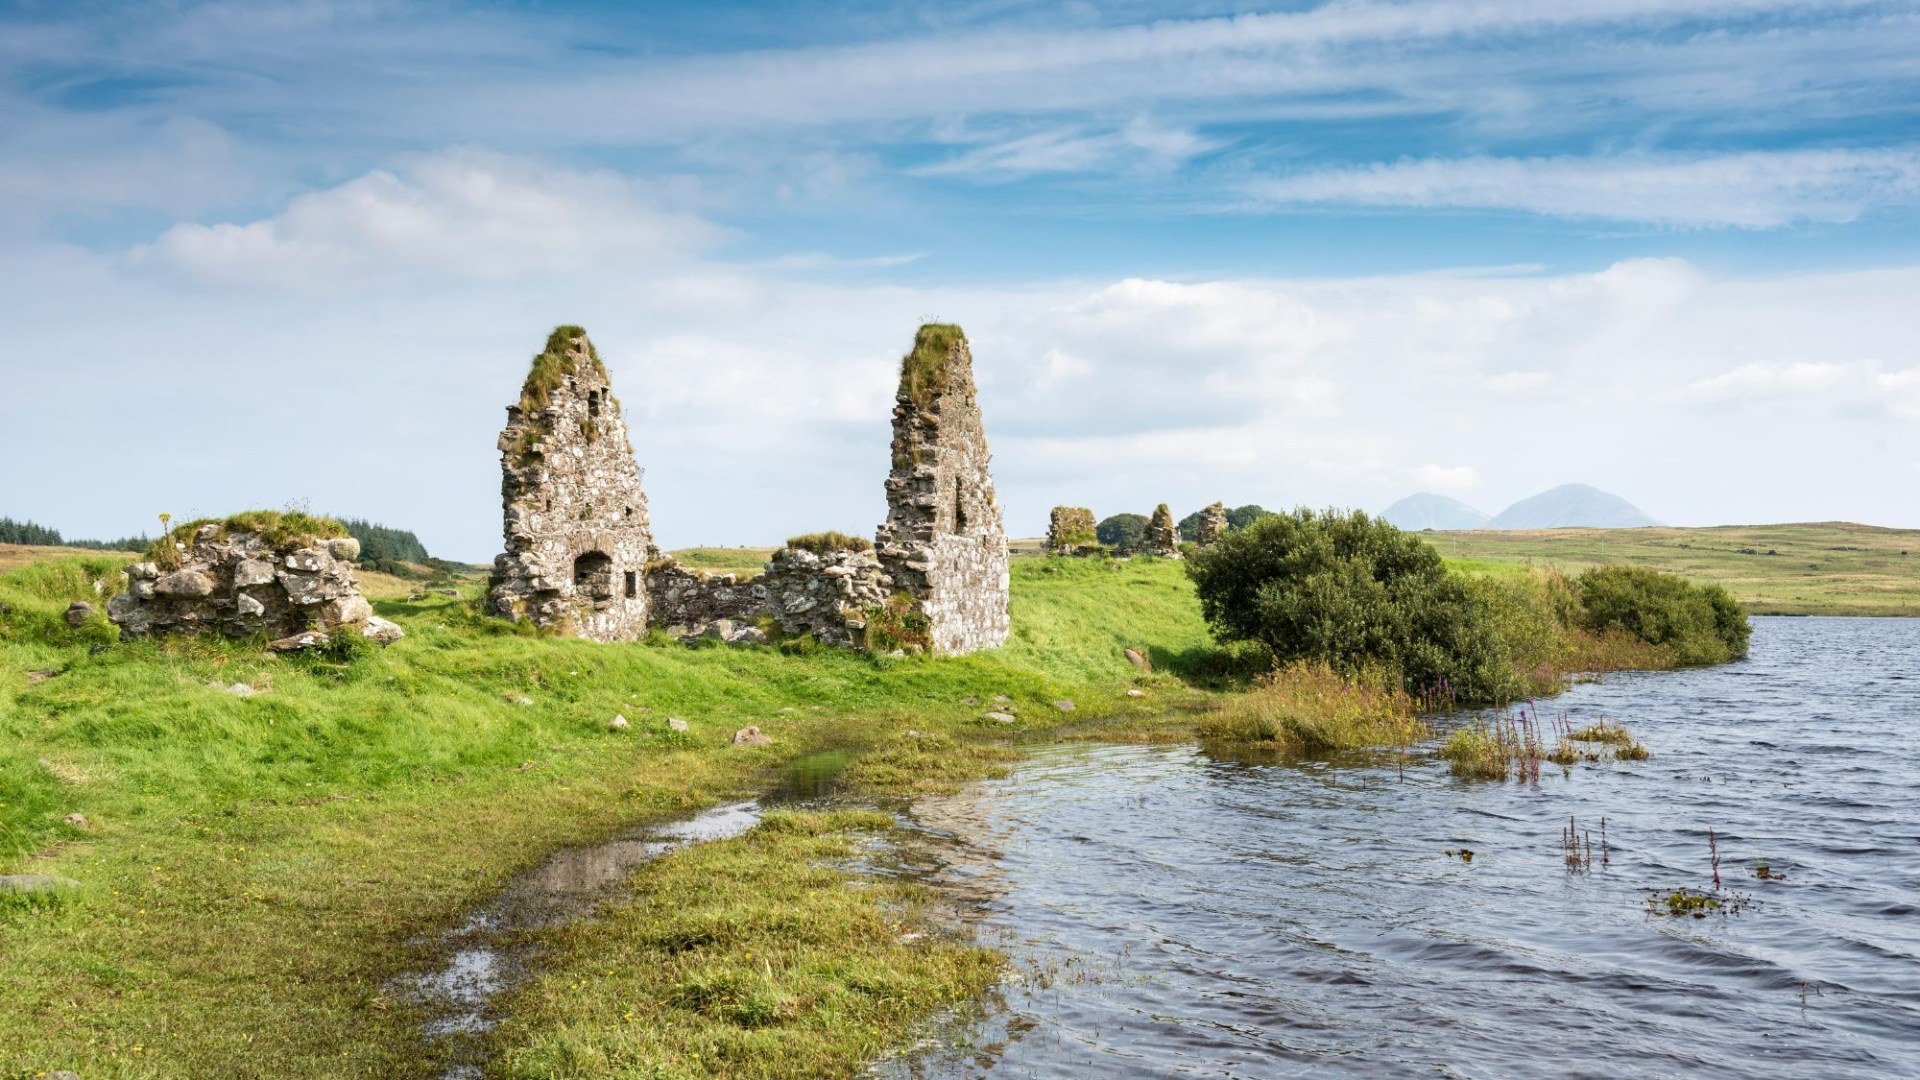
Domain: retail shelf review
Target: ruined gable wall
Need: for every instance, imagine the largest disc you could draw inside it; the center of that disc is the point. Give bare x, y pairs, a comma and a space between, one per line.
943, 542
575, 518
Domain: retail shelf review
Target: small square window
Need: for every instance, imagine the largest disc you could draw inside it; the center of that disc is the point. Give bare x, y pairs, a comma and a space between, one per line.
633, 584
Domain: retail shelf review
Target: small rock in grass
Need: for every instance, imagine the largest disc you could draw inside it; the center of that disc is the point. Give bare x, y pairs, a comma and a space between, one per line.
78, 613
1063, 705
519, 699
295, 642
381, 631
970, 699
1002, 699
1136, 693
241, 689
63, 1074
751, 736
1139, 660
1002, 718
78, 821
618, 723
40, 676
678, 724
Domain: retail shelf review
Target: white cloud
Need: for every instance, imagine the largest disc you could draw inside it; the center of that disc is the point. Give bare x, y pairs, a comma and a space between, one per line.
1762, 189
459, 215
1446, 478
1856, 388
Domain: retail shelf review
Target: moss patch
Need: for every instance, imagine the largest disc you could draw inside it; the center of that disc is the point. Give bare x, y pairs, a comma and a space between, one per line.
924, 372
551, 368
278, 528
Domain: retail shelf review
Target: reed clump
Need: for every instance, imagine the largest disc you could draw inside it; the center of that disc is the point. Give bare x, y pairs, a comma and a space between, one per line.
1308, 707
1507, 747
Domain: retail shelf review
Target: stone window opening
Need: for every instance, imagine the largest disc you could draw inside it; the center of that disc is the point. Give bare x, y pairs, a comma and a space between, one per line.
959, 509
593, 575
633, 582
593, 403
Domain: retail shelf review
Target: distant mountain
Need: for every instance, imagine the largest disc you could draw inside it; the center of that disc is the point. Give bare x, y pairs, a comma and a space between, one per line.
1429, 511
1571, 506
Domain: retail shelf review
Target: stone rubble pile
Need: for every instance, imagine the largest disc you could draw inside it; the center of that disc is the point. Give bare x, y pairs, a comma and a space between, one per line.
826, 595
299, 593
1163, 538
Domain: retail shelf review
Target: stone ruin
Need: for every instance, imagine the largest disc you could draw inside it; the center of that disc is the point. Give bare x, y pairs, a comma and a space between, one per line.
943, 543
580, 553
1071, 531
1212, 525
577, 535
226, 578
826, 594
1163, 538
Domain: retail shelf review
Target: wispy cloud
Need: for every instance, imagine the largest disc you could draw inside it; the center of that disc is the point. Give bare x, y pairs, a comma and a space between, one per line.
457, 216
1745, 190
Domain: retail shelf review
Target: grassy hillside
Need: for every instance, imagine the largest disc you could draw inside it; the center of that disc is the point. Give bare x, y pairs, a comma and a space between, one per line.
1829, 568
253, 869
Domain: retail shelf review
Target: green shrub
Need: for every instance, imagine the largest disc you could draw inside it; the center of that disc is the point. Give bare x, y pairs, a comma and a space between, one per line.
1352, 592
826, 543
1698, 624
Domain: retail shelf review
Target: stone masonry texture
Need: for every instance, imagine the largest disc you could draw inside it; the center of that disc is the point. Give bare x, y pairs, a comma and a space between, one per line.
575, 518
943, 542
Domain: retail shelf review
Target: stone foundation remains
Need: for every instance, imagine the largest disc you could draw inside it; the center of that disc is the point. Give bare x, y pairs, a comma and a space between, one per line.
577, 535
943, 543
1071, 531
1163, 538
827, 595
297, 590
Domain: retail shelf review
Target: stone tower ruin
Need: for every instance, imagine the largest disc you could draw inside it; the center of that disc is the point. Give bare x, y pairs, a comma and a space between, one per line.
577, 534
943, 543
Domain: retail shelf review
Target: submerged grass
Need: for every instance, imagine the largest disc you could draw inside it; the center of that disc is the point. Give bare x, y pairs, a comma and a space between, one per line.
762, 956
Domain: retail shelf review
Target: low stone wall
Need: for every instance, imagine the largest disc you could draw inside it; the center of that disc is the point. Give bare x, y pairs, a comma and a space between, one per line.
825, 595
238, 585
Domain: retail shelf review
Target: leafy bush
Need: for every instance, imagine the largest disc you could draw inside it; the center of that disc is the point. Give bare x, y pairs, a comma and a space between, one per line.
826, 543
1699, 624
1123, 532
1352, 592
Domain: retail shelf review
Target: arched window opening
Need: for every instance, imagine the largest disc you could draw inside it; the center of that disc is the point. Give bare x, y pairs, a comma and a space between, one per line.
593, 575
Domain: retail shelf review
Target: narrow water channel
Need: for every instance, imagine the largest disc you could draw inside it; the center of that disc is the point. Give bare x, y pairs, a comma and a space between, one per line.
1177, 914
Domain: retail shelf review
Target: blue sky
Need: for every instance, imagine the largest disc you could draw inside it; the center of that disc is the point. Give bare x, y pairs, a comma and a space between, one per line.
300, 251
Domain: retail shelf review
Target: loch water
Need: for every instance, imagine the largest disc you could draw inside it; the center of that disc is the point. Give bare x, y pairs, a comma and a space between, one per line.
1176, 913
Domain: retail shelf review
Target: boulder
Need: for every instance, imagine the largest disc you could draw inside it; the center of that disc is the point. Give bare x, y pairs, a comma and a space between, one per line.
252, 572
342, 610
78, 613
674, 723
184, 584
751, 736
1003, 718
1138, 659
618, 723
344, 547
381, 631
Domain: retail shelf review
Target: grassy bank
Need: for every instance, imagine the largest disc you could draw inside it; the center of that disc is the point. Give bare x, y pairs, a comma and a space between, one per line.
1829, 568
254, 868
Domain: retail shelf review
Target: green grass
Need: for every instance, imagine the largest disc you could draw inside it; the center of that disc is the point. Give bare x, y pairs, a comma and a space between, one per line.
551, 368
826, 543
745, 561
256, 868
1828, 568
924, 370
